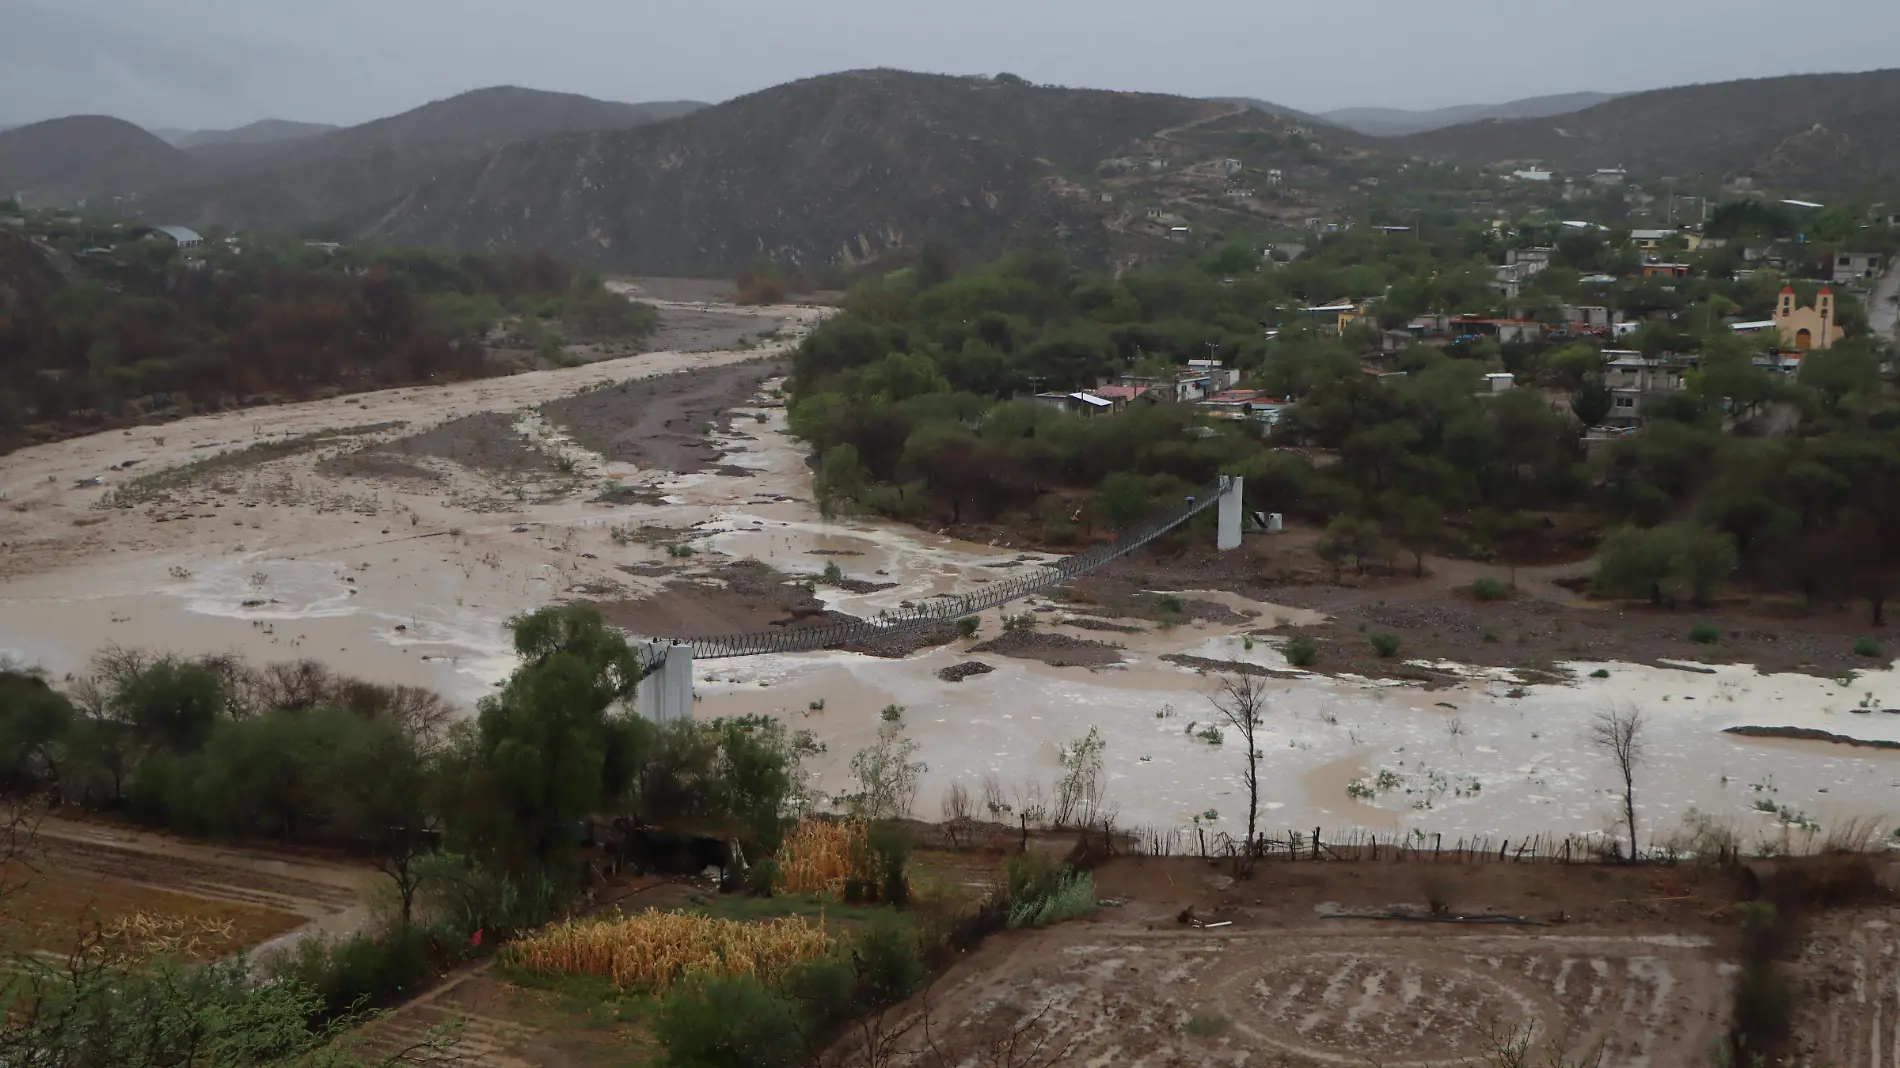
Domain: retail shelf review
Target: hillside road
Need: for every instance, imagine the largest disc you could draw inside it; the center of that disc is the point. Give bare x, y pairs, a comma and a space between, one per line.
1883, 308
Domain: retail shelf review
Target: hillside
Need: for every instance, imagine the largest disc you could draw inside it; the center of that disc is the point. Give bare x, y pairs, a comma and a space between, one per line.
1819, 132
252, 180
847, 168
1397, 122
85, 157
262, 132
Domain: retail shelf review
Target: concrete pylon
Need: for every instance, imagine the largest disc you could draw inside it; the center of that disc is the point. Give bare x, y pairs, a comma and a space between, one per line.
666, 692
1231, 500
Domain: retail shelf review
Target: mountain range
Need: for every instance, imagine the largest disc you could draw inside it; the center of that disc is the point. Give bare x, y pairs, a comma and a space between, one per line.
852, 167
1397, 122
1821, 132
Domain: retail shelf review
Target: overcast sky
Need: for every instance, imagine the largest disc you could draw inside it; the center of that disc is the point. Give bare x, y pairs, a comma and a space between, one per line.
218, 63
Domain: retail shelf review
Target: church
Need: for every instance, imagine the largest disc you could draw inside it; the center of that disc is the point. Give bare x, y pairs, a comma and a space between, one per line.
1803, 329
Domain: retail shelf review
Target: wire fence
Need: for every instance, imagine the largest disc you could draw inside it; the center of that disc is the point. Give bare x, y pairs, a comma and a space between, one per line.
943, 609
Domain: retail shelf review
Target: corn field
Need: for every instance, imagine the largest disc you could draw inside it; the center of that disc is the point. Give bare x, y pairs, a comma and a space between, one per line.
652, 950
820, 855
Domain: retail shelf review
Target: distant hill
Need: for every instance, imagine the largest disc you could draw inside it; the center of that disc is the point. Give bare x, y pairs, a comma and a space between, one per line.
1397, 122
360, 168
1814, 131
843, 168
1281, 110
85, 157
262, 132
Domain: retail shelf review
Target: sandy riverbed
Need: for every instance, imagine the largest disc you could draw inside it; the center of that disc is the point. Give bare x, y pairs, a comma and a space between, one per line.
406, 577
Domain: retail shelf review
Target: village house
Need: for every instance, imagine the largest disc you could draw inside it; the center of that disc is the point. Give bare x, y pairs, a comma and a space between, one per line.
179, 236
1084, 404
1650, 241
1631, 376
1122, 396
1666, 270
1580, 318
1243, 404
1610, 176
1505, 330
1852, 267
1531, 176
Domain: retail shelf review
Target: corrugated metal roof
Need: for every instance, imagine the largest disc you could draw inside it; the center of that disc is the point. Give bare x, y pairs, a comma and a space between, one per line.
180, 234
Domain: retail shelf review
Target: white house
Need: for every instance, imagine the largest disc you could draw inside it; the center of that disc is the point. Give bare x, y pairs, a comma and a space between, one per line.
179, 236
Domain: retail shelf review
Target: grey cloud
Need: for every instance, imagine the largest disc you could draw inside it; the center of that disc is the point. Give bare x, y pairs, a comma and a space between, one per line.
225, 62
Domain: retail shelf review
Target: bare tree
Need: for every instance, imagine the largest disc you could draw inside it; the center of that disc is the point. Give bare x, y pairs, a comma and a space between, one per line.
1618, 732
1242, 702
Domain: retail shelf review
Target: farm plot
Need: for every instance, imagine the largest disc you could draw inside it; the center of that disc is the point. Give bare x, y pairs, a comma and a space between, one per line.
198, 900
1337, 993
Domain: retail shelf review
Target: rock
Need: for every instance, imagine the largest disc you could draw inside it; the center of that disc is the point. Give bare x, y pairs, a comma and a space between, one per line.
959, 672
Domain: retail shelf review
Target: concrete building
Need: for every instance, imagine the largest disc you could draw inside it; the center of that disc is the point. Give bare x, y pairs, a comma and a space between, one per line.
1856, 267
179, 236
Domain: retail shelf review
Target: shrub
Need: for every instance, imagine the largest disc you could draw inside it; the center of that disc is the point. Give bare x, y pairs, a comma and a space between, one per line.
1018, 623
1208, 1025
362, 971
1705, 634
1072, 899
730, 1022
967, 626
1030, 876
762, 879
1600, 673
833, 573
1302, 651
1490, 589
1173, 605
1386, 645
891, 964
825, 988
1866, 647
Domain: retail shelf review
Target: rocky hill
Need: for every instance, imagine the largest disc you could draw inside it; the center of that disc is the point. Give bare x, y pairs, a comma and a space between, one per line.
266, 175
850, 167
1820, 132
1397, 122
85, 157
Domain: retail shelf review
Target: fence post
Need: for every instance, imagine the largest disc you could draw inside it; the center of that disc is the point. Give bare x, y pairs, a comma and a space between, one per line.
1316, 843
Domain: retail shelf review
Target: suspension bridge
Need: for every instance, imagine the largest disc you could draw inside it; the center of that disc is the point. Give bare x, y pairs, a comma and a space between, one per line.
667, 690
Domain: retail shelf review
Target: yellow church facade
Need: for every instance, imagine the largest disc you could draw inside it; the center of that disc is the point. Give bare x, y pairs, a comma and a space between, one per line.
1803, 329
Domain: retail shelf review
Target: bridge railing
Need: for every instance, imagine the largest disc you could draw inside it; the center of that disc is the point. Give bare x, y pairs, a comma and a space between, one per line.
942, 609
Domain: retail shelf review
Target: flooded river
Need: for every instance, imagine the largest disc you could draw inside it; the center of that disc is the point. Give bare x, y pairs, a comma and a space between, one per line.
410, 583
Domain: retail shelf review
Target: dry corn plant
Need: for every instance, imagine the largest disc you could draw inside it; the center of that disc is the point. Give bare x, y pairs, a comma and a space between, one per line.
652, 950
140, 936
823, 856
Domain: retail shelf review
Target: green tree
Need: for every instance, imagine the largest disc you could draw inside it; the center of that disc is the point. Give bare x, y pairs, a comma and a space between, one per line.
35, 723
1678, 562
172, 705
1592, 402
543, 748
1350, 542
1122, 500
1419, 523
